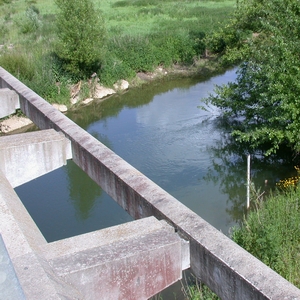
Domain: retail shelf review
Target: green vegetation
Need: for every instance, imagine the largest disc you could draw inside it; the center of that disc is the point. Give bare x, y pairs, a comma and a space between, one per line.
262, 110
271, 232
263, 104
198, 291
50, 45
81, 36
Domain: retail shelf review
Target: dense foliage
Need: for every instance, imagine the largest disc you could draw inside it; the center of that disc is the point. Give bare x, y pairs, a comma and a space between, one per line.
263, 105
272, 233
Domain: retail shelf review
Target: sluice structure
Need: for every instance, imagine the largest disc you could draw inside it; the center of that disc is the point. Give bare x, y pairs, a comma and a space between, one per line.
135, 260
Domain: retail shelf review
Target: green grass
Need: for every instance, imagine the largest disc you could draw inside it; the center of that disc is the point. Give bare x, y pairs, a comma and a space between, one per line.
144, 17
141, 34
135, 17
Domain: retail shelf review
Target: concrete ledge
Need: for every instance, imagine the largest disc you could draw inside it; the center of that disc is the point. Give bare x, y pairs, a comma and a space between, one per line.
16, 222
135, 260
9, 102
104, 237
26, 156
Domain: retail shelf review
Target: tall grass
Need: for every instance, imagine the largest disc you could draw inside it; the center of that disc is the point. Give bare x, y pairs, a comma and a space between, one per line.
271, 232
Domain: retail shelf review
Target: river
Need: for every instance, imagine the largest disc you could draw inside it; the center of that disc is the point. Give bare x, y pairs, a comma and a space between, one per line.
162, 132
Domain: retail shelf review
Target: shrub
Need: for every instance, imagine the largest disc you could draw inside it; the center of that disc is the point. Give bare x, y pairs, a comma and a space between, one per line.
5, 2
30, 22
50, 83
136, 52
114, 69
81, 34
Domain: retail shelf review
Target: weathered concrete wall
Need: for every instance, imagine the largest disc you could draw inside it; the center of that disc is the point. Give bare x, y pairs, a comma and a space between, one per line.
224, 266
26, 156
9, 102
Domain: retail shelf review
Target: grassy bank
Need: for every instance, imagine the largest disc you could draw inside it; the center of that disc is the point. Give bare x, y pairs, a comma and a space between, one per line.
140, 36
271, 232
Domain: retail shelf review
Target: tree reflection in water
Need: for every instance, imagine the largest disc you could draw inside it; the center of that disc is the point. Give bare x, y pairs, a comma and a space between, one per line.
229, 168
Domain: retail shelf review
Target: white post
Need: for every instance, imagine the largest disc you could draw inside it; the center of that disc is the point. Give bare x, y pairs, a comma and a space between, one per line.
248, 181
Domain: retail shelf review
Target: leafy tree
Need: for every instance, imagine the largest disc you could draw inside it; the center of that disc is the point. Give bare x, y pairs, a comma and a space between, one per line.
81, 34
263, 105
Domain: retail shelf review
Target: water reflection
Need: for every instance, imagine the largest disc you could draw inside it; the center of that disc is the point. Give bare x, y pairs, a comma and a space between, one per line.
82, 190
160, 131
229, 167
136, 97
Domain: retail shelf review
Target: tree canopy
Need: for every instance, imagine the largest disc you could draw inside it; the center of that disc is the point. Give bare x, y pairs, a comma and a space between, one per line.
264, 102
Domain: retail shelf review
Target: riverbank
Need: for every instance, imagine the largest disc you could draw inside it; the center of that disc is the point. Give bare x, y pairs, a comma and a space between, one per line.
208, 66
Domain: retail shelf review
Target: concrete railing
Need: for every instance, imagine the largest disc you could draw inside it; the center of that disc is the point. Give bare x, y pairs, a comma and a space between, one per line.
226, 268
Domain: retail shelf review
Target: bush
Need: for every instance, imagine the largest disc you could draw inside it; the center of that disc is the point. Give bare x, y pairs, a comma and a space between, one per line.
114, 69
147, 52
136, 52
30, 22
50, 80
81, 34
5, 2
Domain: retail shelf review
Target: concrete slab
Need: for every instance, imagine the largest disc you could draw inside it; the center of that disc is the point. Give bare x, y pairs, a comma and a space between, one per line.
135, 260
9, 102
26, 156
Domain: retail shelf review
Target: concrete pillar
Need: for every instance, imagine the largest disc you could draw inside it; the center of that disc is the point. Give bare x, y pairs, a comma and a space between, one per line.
26, 156
9, 102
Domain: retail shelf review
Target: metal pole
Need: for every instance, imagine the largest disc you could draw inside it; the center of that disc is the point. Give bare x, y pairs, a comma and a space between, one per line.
248, 181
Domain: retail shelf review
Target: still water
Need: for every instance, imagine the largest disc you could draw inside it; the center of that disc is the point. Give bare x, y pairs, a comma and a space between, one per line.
162, 132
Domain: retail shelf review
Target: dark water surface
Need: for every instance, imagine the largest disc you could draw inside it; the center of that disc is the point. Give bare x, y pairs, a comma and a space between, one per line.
160, 130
